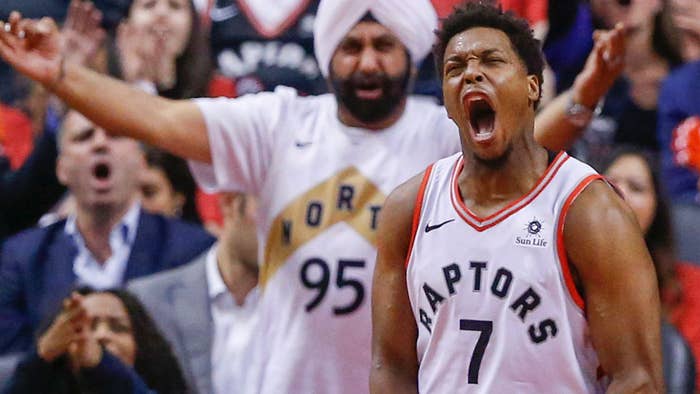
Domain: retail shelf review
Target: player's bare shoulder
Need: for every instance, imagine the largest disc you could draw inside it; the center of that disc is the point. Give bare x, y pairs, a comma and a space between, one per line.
598, 206
396, 217
597, 222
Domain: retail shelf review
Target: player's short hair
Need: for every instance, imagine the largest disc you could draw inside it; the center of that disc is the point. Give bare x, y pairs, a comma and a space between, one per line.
485, 13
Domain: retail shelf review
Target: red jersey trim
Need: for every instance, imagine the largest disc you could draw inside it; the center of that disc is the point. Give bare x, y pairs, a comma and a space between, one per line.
561, 250
272, 33
417, 208
481, 224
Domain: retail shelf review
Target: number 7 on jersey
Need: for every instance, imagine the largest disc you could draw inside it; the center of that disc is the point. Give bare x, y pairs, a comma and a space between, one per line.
484, 327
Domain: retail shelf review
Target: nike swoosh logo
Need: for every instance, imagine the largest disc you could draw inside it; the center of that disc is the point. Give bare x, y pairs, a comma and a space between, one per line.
220, 14
302, 144
429, 228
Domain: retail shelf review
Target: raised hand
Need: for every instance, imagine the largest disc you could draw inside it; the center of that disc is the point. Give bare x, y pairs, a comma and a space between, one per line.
33, 47
604, 65
86, 351
144, 56
131, 43
81, 33
68, 327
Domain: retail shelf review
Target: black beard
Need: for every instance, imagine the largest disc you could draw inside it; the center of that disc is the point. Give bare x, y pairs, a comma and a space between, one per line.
370, 111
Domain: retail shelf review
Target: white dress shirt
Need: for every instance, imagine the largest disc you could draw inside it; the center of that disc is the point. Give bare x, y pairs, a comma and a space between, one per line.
233, 326
110, 274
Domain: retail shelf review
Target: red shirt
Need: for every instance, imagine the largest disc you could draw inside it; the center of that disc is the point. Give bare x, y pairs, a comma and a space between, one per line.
686, 315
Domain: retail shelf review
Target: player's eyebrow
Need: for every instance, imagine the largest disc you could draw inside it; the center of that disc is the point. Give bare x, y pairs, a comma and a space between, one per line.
460, 55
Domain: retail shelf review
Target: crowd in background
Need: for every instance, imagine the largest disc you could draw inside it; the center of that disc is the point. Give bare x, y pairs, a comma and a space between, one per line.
644, 136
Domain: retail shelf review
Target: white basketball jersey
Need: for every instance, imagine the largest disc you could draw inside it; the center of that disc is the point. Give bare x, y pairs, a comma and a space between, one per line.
495, 304
321, 185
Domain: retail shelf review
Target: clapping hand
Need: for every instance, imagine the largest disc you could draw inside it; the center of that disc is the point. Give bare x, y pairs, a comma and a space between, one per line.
81, 33
144, 56
70, 326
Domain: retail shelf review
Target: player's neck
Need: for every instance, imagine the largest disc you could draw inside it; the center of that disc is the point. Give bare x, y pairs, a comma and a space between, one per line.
485, 188
348, 119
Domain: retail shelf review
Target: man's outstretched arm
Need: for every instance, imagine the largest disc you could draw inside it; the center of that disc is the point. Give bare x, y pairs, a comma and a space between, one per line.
394, 331
605, 246
34, 48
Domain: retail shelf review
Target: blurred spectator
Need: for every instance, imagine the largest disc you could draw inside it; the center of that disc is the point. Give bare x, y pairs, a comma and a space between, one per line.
163, 47
635, 175
100, 342
258, 47
32, 189
679, 100
206, 309
161, 42
106, 242
167, 187
628, 114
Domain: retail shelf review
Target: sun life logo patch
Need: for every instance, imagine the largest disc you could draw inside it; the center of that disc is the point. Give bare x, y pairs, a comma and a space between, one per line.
533, 235
534, 228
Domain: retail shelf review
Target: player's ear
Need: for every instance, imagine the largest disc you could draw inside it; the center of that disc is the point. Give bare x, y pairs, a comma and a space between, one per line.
533, 91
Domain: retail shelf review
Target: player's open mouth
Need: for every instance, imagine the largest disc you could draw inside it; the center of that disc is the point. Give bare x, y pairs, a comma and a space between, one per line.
482, 117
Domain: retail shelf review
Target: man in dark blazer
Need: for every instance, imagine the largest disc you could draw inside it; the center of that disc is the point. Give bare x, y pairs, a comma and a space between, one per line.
107, 241
198, 320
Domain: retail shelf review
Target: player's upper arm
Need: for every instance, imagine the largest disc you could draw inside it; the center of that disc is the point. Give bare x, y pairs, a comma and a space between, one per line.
605, 246
394, 332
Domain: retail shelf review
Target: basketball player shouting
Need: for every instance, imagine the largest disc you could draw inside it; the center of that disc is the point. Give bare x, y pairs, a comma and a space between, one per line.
321, 166
504, 269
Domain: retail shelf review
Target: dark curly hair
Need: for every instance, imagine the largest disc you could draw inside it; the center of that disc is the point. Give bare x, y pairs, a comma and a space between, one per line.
485, 13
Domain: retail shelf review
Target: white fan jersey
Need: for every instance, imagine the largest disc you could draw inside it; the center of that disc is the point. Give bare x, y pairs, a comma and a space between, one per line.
495, 304
320, 185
